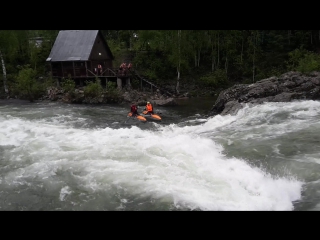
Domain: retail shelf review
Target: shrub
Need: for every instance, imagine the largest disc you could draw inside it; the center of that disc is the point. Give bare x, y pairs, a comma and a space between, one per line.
111, 86
310, 62
93, 89
215, 79
303, 61
294, 57
27, 85
68, 85
49, 82
135, 83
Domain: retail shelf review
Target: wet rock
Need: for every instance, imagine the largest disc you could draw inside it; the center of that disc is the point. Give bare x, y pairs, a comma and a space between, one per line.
164, 102
288, 87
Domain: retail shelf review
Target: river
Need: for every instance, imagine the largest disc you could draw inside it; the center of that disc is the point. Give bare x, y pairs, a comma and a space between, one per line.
61, 157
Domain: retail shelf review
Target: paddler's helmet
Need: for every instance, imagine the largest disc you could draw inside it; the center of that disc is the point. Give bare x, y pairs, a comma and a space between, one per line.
148, 102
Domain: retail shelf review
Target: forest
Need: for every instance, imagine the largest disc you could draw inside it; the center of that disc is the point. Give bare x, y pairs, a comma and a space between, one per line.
203, 59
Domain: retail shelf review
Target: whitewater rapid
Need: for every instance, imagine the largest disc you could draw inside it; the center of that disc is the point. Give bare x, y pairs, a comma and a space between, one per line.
179, 166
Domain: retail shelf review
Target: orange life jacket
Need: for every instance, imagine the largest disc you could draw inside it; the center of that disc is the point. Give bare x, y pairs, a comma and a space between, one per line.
149, 108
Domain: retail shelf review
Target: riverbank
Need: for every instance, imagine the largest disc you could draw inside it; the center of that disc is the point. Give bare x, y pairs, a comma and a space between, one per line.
187, 105
116, 96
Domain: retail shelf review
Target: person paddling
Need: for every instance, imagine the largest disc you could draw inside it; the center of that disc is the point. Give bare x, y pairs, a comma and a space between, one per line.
134, 110
149, 108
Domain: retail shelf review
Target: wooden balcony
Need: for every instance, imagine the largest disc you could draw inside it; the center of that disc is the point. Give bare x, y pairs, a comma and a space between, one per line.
90, 73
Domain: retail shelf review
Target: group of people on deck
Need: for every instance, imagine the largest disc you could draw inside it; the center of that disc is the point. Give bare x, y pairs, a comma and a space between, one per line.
124, 68
134, 109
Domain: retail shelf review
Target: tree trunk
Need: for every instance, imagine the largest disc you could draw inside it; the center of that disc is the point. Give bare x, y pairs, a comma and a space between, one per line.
213, 64
218, 52
195, 59
4, 74
241, 48
213, 58
226, 66
199, 57
253, 59
178, 79
179, 61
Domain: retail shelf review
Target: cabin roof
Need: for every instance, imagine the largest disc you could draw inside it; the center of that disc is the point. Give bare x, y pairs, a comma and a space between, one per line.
73, 45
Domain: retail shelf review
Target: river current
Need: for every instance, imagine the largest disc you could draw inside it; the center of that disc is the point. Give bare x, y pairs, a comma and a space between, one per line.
60, 157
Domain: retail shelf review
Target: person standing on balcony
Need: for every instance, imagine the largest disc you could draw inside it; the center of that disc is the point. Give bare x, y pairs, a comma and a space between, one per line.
125, 68
99, 69
122, 68
129, 66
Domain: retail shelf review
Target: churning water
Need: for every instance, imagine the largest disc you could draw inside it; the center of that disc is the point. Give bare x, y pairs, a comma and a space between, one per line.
82, 157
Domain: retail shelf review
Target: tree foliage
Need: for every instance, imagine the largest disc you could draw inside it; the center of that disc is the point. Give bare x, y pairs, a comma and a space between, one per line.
27, 85
93, 89
207, 58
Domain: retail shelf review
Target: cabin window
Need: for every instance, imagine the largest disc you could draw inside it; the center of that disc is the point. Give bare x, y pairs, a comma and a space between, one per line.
78, 64
67, 64
56, 64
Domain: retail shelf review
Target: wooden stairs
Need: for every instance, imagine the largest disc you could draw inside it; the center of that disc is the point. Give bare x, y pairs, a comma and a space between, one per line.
136, 74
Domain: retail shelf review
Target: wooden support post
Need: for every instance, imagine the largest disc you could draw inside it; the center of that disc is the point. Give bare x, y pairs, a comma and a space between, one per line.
119, 83
128, 83
62, 69
51, 69
74, 72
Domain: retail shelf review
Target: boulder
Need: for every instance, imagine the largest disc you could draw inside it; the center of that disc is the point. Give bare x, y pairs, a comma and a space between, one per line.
288, 87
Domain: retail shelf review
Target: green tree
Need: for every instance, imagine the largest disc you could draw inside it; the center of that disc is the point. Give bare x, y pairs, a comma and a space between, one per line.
27, 84
8, 44
179, 52
93, 89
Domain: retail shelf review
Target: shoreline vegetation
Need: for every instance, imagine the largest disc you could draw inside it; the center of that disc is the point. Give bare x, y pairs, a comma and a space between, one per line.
94, 93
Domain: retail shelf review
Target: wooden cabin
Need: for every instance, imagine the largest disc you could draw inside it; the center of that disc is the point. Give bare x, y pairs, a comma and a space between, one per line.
82, 55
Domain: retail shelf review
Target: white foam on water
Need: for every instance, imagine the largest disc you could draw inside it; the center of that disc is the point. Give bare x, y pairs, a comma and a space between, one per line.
177, 165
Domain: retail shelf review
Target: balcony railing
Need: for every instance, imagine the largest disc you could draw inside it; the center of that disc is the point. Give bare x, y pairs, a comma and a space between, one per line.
83, 72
